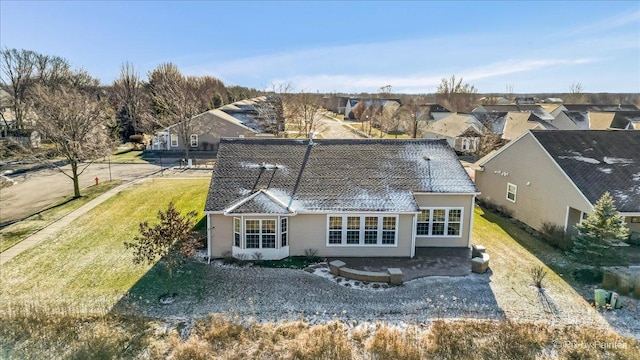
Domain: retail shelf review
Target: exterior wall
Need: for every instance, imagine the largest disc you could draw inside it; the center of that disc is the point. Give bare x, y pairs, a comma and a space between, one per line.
309, 231
544, 193
463, 201
210, 130
631, 225
221, 240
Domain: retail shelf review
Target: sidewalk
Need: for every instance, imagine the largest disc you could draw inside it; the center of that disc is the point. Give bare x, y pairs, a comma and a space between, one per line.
53, 228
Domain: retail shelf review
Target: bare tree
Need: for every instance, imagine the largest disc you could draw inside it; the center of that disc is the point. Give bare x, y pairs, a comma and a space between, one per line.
304, 110
175, 101
456, 95
414, 114
130, 101
22, 70
576, 93
75, 122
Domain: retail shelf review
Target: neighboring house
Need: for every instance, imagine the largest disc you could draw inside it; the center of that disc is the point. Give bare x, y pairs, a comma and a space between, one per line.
336, 104
240, 119
597, 120
493, 121
553, 101
364, 198
593, 107
518, 123
432, 112
348, 108
462, 131
535, 109
557, 176
352, 102
525, 100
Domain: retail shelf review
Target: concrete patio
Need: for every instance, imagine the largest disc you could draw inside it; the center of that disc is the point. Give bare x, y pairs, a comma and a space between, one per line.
427, 262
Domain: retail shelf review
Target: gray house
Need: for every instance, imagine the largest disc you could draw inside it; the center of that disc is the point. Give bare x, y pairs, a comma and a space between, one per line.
557, 176
280, 197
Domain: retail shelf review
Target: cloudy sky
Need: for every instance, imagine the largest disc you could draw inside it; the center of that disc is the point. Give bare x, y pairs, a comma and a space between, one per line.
336, 46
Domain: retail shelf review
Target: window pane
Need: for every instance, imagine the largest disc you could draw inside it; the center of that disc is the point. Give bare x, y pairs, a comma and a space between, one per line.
283, 225
389, 223
268, 226
353, 237
438, 229
269, 241
284, 241
388, 237
236, 240
353, 222
335, 237
253, 241
454, 229
454, 215
335, 222
371, 222
236, 225
424, 215
371, 237
252, 226
422, 229
438, 214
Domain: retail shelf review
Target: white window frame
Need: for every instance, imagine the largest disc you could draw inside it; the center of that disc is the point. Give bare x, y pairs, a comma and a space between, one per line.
429, 223
284, 234
173, 137
191, 140
261, 233
361, 230
239, 234
514, 192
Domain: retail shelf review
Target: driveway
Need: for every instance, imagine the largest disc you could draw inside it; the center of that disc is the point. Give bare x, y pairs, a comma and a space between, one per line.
36, 190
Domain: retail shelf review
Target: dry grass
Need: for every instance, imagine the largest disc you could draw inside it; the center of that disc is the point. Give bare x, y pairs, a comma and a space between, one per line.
29, 334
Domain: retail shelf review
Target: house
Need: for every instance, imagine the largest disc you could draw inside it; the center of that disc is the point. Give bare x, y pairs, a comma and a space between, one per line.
552, 100
535, 109
556, 177
597, 120
353, 102
462, 131
356, 197
525, 100
593, 107
244, 118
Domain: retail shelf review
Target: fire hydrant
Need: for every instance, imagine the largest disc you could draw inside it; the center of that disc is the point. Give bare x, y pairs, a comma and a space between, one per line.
97, 180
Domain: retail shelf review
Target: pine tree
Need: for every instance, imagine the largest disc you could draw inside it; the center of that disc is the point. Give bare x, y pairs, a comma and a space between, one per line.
595, 233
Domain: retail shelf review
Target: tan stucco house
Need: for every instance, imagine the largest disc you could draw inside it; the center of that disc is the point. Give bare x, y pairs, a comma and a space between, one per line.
280, 197
557, 176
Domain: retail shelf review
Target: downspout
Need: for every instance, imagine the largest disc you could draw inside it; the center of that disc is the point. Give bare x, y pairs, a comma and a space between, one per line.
414, 227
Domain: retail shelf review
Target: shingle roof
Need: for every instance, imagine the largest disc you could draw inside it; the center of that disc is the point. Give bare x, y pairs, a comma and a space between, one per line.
600, 107
332, 175
598, 161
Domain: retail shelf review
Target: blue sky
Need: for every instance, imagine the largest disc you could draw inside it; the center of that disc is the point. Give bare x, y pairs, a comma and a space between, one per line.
333, 46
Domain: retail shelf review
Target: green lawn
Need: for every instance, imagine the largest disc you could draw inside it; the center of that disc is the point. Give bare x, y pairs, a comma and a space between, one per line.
86, 264
17, 232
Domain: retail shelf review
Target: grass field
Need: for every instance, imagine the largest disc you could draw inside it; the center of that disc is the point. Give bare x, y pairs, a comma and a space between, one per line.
86, 264
17, 232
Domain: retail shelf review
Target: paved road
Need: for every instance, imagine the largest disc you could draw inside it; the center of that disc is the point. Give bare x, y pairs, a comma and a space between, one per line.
332, 129
37, 190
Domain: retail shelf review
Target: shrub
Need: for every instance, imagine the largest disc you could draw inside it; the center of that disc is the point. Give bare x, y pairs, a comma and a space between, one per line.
588, 275
257, 256
555, 236
538, 273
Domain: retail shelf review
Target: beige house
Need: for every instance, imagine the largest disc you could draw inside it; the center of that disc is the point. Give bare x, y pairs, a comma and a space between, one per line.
597, 120
462, 131
282, 197
557, 176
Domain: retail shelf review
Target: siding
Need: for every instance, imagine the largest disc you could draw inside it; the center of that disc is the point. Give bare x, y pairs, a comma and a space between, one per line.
463, 201
543, 192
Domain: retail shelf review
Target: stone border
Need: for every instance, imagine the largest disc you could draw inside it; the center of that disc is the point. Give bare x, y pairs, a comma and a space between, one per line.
391, 276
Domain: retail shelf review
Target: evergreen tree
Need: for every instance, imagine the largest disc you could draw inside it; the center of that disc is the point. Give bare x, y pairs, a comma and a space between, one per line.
595, 233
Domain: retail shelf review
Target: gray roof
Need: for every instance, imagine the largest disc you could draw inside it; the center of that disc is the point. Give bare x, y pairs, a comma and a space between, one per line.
260, 175
600, 107
599, 161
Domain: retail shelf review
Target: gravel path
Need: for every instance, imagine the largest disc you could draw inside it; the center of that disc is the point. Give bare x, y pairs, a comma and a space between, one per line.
265, 294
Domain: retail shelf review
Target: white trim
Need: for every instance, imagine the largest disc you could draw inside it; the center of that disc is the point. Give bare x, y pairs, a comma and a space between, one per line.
191, 140
261, 191
361, 238
515, 192
471, 216
171, 135
629, 214
446, 222
414, 226
391, 213
260, 234
208, 236
566, 219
